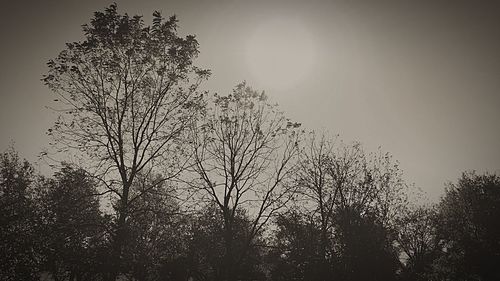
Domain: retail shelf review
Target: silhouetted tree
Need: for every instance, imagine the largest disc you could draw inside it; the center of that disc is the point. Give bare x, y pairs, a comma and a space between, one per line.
243, 154
207, 252
70, 225
297, 252
157, 229
364, 247
361, 248
18, 240
469, 225
128, 91
418, 241
369, 183
343, 188
315, 181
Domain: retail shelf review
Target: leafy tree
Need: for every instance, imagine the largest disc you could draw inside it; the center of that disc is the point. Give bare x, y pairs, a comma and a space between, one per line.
18, 240
71, 226
364, 247
207, 255
243, 154
417, 238
469, 225
339, 182
350, 201
361, 248
127, 91
157, 229
297, 249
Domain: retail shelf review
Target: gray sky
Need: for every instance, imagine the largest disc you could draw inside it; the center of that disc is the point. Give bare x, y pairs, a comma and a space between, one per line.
420, 79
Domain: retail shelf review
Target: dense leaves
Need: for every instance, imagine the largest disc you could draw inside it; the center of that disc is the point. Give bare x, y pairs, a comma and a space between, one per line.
469, 226
18, 239
71, 224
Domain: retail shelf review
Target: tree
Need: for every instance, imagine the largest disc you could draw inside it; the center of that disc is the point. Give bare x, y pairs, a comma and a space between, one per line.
345, 188
127, 91
208, 246
243, 154
364, 247
157, 229
18, 239
70, 225
316, 184
297, 249
469, 227
418, 241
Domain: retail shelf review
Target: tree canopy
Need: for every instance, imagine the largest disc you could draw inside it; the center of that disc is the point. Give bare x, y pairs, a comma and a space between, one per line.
127, 91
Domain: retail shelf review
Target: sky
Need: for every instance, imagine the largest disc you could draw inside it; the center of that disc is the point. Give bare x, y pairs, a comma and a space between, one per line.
419, 79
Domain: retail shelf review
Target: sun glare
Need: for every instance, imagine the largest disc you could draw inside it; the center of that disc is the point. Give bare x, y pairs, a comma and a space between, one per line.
280, 54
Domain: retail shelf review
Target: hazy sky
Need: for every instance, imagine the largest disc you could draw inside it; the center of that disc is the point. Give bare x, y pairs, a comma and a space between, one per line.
420, 79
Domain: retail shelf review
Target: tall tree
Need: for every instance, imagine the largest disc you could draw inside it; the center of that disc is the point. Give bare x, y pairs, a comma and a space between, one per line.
243, 153
315, 181
127, 91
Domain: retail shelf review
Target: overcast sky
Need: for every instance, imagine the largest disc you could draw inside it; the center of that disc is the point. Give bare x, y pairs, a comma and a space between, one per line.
420, 79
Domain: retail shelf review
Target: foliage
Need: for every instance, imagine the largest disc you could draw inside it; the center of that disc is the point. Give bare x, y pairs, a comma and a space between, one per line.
350, 201
359, 248
207, 248
265, 204
18, 239
419, 242
156, 229
70, 225
296, 253
128, 92
364, 248
469, 226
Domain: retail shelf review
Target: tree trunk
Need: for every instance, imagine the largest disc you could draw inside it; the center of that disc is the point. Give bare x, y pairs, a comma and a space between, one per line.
228, 270
120, 235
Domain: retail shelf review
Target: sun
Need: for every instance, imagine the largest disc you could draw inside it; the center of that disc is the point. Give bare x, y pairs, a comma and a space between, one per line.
280, 54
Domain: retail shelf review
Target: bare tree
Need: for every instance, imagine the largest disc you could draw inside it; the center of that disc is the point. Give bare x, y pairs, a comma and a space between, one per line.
243, 154
333, 176
316, 184
127, 92
368, 181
